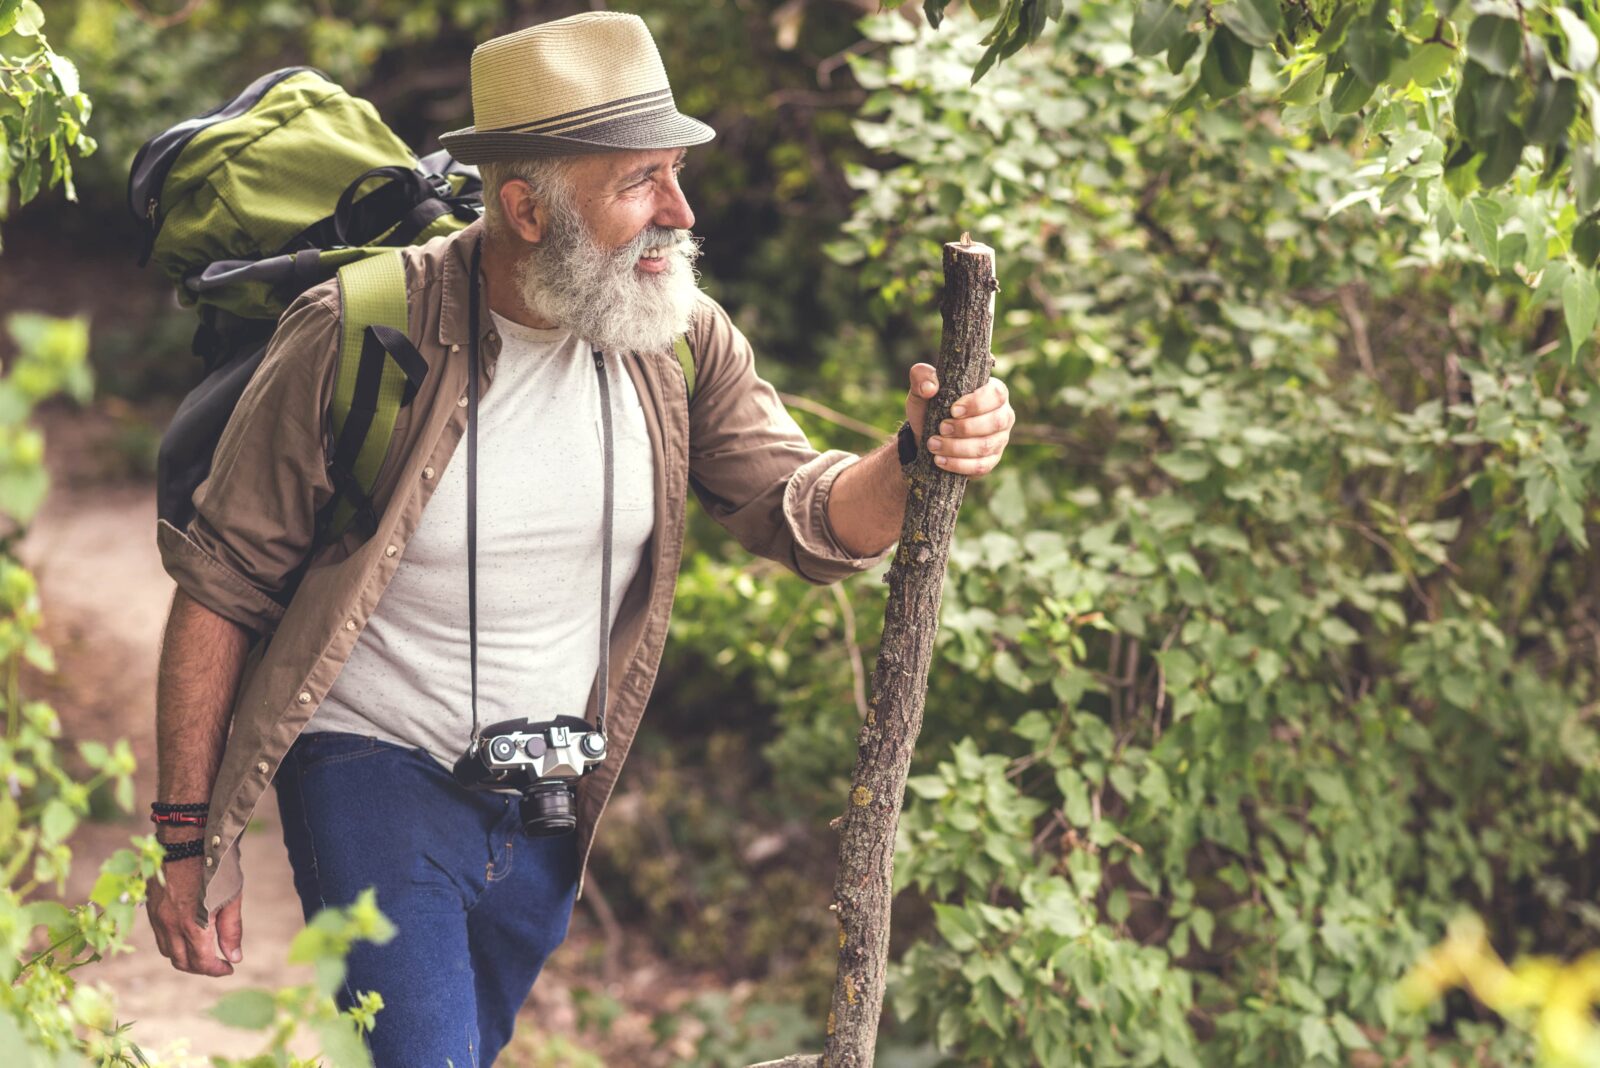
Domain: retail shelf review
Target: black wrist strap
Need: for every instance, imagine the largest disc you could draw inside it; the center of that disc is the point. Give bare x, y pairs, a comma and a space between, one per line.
906, 443
472, 513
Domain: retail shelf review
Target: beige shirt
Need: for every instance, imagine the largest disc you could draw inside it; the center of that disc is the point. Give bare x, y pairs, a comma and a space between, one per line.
750, 466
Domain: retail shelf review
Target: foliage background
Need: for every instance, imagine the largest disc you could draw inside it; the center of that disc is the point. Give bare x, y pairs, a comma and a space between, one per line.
1273, 642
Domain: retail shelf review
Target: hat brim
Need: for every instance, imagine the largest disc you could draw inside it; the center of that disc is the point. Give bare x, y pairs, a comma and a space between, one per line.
635, 133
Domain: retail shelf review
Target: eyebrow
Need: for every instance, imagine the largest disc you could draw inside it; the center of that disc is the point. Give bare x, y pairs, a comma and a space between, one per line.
647, 170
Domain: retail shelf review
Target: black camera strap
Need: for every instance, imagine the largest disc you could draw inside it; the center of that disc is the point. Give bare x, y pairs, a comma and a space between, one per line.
472, 512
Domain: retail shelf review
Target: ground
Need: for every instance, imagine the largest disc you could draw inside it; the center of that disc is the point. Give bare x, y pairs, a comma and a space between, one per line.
105, 598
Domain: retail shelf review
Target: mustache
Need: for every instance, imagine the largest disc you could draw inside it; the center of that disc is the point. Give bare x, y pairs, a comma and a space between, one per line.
681, 242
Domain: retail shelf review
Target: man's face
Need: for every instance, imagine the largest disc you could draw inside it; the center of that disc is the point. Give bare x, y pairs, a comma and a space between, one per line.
619, 194
614, 262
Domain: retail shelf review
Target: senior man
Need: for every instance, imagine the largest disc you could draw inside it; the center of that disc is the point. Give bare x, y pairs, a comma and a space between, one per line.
528, 575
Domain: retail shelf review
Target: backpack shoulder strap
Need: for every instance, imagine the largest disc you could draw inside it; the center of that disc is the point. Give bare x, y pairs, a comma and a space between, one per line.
680, 346
379, 372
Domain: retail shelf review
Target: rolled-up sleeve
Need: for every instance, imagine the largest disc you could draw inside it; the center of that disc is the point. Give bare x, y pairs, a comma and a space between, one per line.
255, 514
752, 467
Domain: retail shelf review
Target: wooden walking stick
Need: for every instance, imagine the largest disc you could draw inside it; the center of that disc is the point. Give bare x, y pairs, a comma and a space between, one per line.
863, 889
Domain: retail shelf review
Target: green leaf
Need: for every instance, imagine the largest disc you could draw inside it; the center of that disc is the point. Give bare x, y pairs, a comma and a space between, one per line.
1333, 34
341, 1045
253, 1010
56, 821
1367, 50
1338, 631
1185, 466
1256, 22
1425, 66
1582, 48
1350, 93
934, 9
1316, 1039
1551, 111
1493, 102
1579, 304
1307, 85
1202, 922
1350, 1036
1178, 55
1495, 43
66, 73
1500, 157
1157, 26
1480, 220
1226, 67
1585, 178
30, 20
1035, 726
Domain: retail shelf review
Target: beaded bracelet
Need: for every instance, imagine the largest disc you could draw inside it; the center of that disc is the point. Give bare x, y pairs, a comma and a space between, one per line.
182, 819
183, 850
165, 808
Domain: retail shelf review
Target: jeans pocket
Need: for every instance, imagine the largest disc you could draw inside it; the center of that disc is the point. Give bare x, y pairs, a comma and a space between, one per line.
331, 747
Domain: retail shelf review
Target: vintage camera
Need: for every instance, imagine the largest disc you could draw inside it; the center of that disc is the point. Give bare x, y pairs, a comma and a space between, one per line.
540, 760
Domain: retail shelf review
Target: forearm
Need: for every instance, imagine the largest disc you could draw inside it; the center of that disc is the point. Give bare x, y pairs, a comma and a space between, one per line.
867, 504
202, 656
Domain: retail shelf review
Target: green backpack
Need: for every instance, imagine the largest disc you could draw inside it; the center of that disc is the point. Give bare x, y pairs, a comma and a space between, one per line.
289, 183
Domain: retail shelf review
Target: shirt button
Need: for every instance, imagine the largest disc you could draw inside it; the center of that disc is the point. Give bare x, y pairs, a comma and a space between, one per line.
210, 862
216, 840
262, 767
427, 472
455, 348
349, 624
391, 550
461, 401
304, 698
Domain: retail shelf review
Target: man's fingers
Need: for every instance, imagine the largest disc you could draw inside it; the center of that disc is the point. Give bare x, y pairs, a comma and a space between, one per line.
971, 468
200, 951
978, 426
230, 929
988, 445
924, 379
993, 395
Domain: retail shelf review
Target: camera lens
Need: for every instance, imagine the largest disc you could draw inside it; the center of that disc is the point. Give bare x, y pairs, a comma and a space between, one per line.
548, 809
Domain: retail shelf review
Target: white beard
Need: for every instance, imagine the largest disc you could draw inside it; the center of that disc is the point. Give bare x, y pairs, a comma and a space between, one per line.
600, 295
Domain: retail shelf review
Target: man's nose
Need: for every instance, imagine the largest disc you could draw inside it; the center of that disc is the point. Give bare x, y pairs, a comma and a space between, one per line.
672, 209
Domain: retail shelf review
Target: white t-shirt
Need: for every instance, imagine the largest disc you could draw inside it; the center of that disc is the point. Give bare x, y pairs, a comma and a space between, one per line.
539, 508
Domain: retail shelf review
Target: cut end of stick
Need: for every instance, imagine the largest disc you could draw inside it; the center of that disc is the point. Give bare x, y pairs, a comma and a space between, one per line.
971, 247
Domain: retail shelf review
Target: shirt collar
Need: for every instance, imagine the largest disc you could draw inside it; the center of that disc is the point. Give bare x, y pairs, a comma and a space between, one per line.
454, 314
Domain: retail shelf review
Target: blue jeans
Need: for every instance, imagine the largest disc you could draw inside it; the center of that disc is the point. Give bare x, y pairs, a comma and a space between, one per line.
478, 904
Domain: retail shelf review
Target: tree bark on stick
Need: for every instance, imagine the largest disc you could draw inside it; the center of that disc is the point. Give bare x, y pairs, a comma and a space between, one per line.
864, 887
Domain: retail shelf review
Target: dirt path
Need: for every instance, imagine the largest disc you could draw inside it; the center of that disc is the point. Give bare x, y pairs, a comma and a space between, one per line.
105, 599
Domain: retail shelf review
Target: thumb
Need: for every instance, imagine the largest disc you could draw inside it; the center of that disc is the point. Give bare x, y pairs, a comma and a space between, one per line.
924, 384
230, 929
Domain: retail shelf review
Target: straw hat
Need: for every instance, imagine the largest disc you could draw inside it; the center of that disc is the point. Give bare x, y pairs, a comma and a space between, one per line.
586, 83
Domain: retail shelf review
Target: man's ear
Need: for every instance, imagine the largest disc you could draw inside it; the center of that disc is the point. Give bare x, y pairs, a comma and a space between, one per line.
523, 213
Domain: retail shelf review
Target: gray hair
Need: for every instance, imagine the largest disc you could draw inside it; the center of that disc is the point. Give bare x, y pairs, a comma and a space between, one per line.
547, 175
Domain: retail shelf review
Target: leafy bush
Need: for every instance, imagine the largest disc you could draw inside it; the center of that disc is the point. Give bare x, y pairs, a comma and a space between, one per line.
1271, 642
